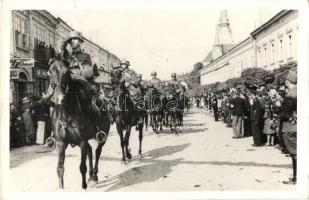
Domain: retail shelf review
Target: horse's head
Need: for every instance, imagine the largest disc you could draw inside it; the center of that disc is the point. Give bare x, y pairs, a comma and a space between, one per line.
116, 75
56, 72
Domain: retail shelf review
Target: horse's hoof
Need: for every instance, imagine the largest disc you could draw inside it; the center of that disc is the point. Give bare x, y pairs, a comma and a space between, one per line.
84, 186
92, 183
60, 190
129, 156
140, 156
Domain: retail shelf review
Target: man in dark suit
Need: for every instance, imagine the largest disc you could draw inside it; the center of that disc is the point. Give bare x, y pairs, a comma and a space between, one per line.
256, 117
237, 110
215, 106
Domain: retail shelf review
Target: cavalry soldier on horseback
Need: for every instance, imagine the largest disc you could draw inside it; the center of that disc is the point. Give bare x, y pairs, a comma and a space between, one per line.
81, 68
155, 82
174, 85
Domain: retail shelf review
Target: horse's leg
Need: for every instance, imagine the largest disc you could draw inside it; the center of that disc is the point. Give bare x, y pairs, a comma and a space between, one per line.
140, 137
96, 165
126, 141
146, 121
161, 119
157, 121
120, 132
89, 153
83, 167
61, 146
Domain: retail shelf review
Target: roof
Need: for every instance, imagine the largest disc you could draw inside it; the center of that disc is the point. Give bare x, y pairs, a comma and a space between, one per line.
208, 57
227, 47
269, 22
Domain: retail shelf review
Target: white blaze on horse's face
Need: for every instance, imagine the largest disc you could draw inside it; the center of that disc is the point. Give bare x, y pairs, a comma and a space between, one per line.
76, 68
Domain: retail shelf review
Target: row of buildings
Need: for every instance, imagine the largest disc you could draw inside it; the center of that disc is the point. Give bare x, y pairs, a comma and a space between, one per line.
36, 35
272, 44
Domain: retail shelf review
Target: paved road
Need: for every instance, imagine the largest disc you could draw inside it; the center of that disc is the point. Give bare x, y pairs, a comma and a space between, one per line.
202, 157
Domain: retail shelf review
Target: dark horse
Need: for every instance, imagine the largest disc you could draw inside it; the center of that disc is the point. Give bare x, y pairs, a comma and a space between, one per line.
126, 114
180, 109
171, 107
156, 109
73, 117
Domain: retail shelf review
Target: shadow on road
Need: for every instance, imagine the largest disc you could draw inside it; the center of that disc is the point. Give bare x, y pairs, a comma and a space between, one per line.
146, 173
154, 168
21, 155
194, 124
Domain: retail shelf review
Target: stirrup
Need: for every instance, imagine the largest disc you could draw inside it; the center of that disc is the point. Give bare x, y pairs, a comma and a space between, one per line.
51, 140
101, 137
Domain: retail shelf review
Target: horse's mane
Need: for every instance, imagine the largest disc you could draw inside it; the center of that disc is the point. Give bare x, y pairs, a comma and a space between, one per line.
78, 97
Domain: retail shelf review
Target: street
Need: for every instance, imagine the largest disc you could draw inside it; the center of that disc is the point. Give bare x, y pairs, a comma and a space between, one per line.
202, 157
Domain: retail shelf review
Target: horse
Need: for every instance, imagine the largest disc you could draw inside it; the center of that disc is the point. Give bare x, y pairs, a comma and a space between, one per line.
156, 109
72, 118
171, 109
127, 114
180, 109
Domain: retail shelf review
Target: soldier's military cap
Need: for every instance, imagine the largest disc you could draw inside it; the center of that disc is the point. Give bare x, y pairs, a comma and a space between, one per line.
116, 65
139, 76
173, 75
125, 62
75, 34
153, 73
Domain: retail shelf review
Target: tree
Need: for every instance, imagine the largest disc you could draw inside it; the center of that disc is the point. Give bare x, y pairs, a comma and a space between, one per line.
257, 76
198, 66
281, 73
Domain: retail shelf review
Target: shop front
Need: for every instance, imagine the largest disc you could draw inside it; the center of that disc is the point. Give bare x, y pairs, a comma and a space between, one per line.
21, 84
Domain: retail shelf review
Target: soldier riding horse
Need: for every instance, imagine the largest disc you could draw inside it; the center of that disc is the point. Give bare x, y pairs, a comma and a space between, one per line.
74, 120
127, 113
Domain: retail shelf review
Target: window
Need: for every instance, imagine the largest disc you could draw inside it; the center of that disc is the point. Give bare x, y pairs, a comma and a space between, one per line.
280, 50
290, 47
259, 57
272, 53
21, 32
265, 56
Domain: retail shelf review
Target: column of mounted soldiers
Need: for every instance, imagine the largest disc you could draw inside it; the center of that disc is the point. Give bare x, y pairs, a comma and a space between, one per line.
84, 69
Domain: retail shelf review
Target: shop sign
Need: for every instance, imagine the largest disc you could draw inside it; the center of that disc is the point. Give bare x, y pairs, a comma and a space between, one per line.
27, 62
14, 74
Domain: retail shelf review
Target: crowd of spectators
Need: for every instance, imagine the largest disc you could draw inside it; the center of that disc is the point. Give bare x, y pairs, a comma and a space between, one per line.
268, 114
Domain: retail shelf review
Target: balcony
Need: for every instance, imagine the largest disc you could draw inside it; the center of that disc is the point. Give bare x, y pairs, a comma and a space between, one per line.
42, 53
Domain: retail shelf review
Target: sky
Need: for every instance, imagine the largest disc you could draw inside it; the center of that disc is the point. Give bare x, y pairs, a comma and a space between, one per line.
162, 41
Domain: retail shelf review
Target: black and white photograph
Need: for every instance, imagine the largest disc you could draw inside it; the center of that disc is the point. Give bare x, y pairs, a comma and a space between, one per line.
191, 100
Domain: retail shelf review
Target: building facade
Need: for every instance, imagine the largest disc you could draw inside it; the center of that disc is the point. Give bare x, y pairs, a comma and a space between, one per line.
272, 44
32, 39
36, 36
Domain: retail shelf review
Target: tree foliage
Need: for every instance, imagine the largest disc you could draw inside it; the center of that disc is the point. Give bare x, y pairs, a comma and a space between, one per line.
249, 77
257, 76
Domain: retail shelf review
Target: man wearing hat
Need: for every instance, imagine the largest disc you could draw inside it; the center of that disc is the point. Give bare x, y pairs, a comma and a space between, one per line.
237, 106
174, 84
27, 120
85, 70
288, 116
155, 82
256, 117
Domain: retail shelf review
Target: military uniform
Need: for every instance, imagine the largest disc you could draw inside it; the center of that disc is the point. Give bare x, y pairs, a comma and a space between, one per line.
84, 59
174, 86
288, 116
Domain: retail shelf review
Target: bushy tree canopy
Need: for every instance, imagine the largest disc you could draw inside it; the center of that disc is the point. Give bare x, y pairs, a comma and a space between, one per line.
249, 77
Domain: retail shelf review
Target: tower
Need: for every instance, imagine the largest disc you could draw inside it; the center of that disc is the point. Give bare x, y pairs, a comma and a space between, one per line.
223, 36
224, 29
